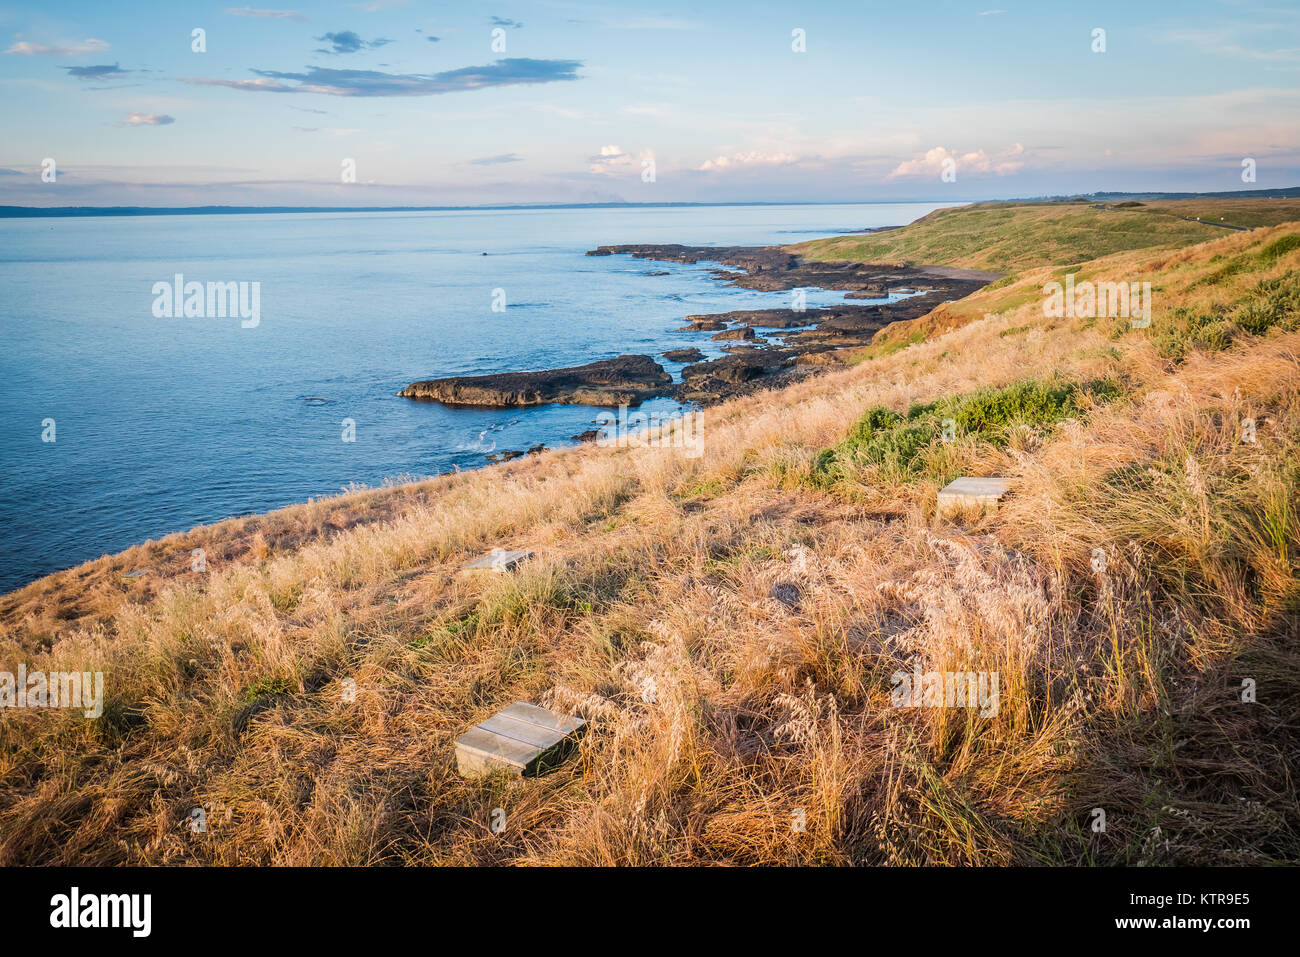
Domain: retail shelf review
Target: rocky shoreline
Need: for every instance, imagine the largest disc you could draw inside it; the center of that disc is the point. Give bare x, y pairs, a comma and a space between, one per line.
766, 348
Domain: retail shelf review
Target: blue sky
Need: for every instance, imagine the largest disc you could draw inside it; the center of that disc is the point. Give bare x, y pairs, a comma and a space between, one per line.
584, 97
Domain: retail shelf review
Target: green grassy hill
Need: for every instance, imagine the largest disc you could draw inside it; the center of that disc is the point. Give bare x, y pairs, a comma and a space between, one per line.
1010, 237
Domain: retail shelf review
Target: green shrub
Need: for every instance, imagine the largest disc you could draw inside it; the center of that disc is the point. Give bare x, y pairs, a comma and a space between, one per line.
267, 687
1279, 248
903, 446
1271, 303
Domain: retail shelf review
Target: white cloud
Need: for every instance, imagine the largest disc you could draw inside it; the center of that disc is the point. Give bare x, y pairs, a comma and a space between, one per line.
752, 158
1217, 43
265, 14
644, 109
612, 161
148, 119
933, 161
26, 48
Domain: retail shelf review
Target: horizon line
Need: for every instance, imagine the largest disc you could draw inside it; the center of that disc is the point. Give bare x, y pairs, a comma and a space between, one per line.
21, 212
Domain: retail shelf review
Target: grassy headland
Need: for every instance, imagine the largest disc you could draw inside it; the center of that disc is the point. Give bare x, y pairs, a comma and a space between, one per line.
1143, 573
1022, 240
1011, 237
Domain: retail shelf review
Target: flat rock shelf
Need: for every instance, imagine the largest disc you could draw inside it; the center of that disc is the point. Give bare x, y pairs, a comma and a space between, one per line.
972, 494
524, 739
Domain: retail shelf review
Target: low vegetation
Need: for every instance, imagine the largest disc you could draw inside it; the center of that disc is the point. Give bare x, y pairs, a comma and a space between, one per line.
928, 438
1272, 304
1136, 595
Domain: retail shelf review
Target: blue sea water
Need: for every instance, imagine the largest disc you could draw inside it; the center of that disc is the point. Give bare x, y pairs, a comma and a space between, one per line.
161, 424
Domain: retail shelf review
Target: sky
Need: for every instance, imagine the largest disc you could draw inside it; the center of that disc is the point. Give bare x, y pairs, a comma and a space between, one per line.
402, 102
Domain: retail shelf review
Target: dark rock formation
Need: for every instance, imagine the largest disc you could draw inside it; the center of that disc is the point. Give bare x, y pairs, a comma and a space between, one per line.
514, 454
684, 355
704, 324
728, 369
774, 268
731, 375
744, 332
874, 290
627, 380
787, 593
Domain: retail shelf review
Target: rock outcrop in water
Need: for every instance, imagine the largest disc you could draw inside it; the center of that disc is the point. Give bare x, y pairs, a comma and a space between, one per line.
773, 268
744, 332
627, 380
796, 341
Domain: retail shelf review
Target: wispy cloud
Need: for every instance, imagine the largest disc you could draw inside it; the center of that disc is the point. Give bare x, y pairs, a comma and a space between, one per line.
96, 72
1219, 43
508, 72
651, 23
503, 22
496, 160
347, 41
27, 48
752, 158
148, 119
644, 109
266, 14
562, 111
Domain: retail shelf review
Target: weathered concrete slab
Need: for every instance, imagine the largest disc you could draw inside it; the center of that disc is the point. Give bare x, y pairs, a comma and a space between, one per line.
499, 560
972, 494
522, 738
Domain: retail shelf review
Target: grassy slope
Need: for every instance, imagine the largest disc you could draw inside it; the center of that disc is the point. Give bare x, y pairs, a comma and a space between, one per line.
1010, 237
718, 713
1023, 238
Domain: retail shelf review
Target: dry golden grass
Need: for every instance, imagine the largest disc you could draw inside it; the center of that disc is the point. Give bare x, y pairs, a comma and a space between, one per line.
719, 715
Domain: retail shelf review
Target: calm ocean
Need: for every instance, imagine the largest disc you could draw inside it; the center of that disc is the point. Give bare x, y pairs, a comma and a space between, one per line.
162, 424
